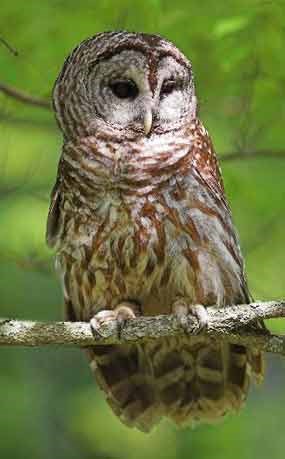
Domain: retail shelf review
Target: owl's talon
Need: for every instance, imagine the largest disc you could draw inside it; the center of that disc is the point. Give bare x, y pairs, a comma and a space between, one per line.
123, 312
181, 310
120, 315
101, 318
199, 311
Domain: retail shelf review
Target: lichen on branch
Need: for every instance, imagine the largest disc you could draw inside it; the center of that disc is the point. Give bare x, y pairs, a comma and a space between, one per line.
231, 324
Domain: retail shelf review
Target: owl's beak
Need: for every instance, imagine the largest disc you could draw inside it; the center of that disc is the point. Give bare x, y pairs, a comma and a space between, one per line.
147, 122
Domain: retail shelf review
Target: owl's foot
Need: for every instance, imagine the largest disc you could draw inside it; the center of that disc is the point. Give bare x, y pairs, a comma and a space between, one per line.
122, 313
181, 310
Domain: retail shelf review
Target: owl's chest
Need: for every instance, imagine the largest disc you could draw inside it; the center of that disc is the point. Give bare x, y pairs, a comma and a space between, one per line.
128, 249
150, 249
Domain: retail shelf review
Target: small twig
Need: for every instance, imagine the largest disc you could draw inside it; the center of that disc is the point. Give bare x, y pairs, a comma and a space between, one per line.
9, 47
23, 97
230, 324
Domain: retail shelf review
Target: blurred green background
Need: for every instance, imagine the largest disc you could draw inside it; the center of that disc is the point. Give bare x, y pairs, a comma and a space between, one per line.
49, 404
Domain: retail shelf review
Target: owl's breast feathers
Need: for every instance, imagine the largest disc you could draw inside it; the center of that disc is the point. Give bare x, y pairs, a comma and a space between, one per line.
148, 224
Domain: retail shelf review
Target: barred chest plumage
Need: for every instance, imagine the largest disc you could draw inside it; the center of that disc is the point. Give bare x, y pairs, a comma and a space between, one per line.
137, 225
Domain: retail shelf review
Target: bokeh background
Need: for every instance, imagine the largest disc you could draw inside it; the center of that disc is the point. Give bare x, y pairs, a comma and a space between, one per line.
49, 404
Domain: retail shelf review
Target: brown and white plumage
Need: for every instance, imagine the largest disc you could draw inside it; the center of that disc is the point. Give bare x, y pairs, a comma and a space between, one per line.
139, 218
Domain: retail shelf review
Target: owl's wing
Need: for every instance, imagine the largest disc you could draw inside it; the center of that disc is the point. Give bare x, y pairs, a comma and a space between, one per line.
206, 169
205, 164
54, 214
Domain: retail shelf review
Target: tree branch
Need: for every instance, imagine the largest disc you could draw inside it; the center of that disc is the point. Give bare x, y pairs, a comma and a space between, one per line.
23, 97
231, 324
235, 156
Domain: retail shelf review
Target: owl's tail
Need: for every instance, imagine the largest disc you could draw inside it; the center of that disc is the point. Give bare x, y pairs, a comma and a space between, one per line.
203, 381
124, 373
186, 382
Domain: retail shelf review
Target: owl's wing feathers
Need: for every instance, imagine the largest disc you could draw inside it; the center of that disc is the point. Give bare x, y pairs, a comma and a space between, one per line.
204, 162
206, 169
53, 219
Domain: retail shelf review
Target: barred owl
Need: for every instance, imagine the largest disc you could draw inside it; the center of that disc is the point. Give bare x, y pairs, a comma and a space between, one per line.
141, 226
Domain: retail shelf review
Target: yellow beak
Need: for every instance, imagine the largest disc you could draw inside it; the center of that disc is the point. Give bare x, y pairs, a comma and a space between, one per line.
147, 122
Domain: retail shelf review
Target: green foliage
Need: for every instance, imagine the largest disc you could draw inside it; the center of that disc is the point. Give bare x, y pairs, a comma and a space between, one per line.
50, 406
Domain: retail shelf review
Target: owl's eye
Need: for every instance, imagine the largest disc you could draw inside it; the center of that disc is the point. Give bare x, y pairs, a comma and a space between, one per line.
168, 86
124, 89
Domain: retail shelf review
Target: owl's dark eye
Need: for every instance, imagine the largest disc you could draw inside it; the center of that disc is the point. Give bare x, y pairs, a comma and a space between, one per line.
124, 89
168, 86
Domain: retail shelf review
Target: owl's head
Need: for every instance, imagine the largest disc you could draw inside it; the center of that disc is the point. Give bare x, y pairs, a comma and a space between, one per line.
134, 82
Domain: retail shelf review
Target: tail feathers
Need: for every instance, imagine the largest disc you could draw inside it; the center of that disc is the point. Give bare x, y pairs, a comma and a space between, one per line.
124, 374
201, 381
186, 382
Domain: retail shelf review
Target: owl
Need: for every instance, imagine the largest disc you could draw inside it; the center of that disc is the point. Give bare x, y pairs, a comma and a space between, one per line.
141, 226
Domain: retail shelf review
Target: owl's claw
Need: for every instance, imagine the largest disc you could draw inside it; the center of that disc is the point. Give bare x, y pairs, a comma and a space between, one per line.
181, 310
120, 315
199, 311
101, 318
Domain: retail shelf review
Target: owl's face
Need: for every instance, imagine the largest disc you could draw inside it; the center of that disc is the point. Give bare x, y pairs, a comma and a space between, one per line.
127, 96
132, 82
